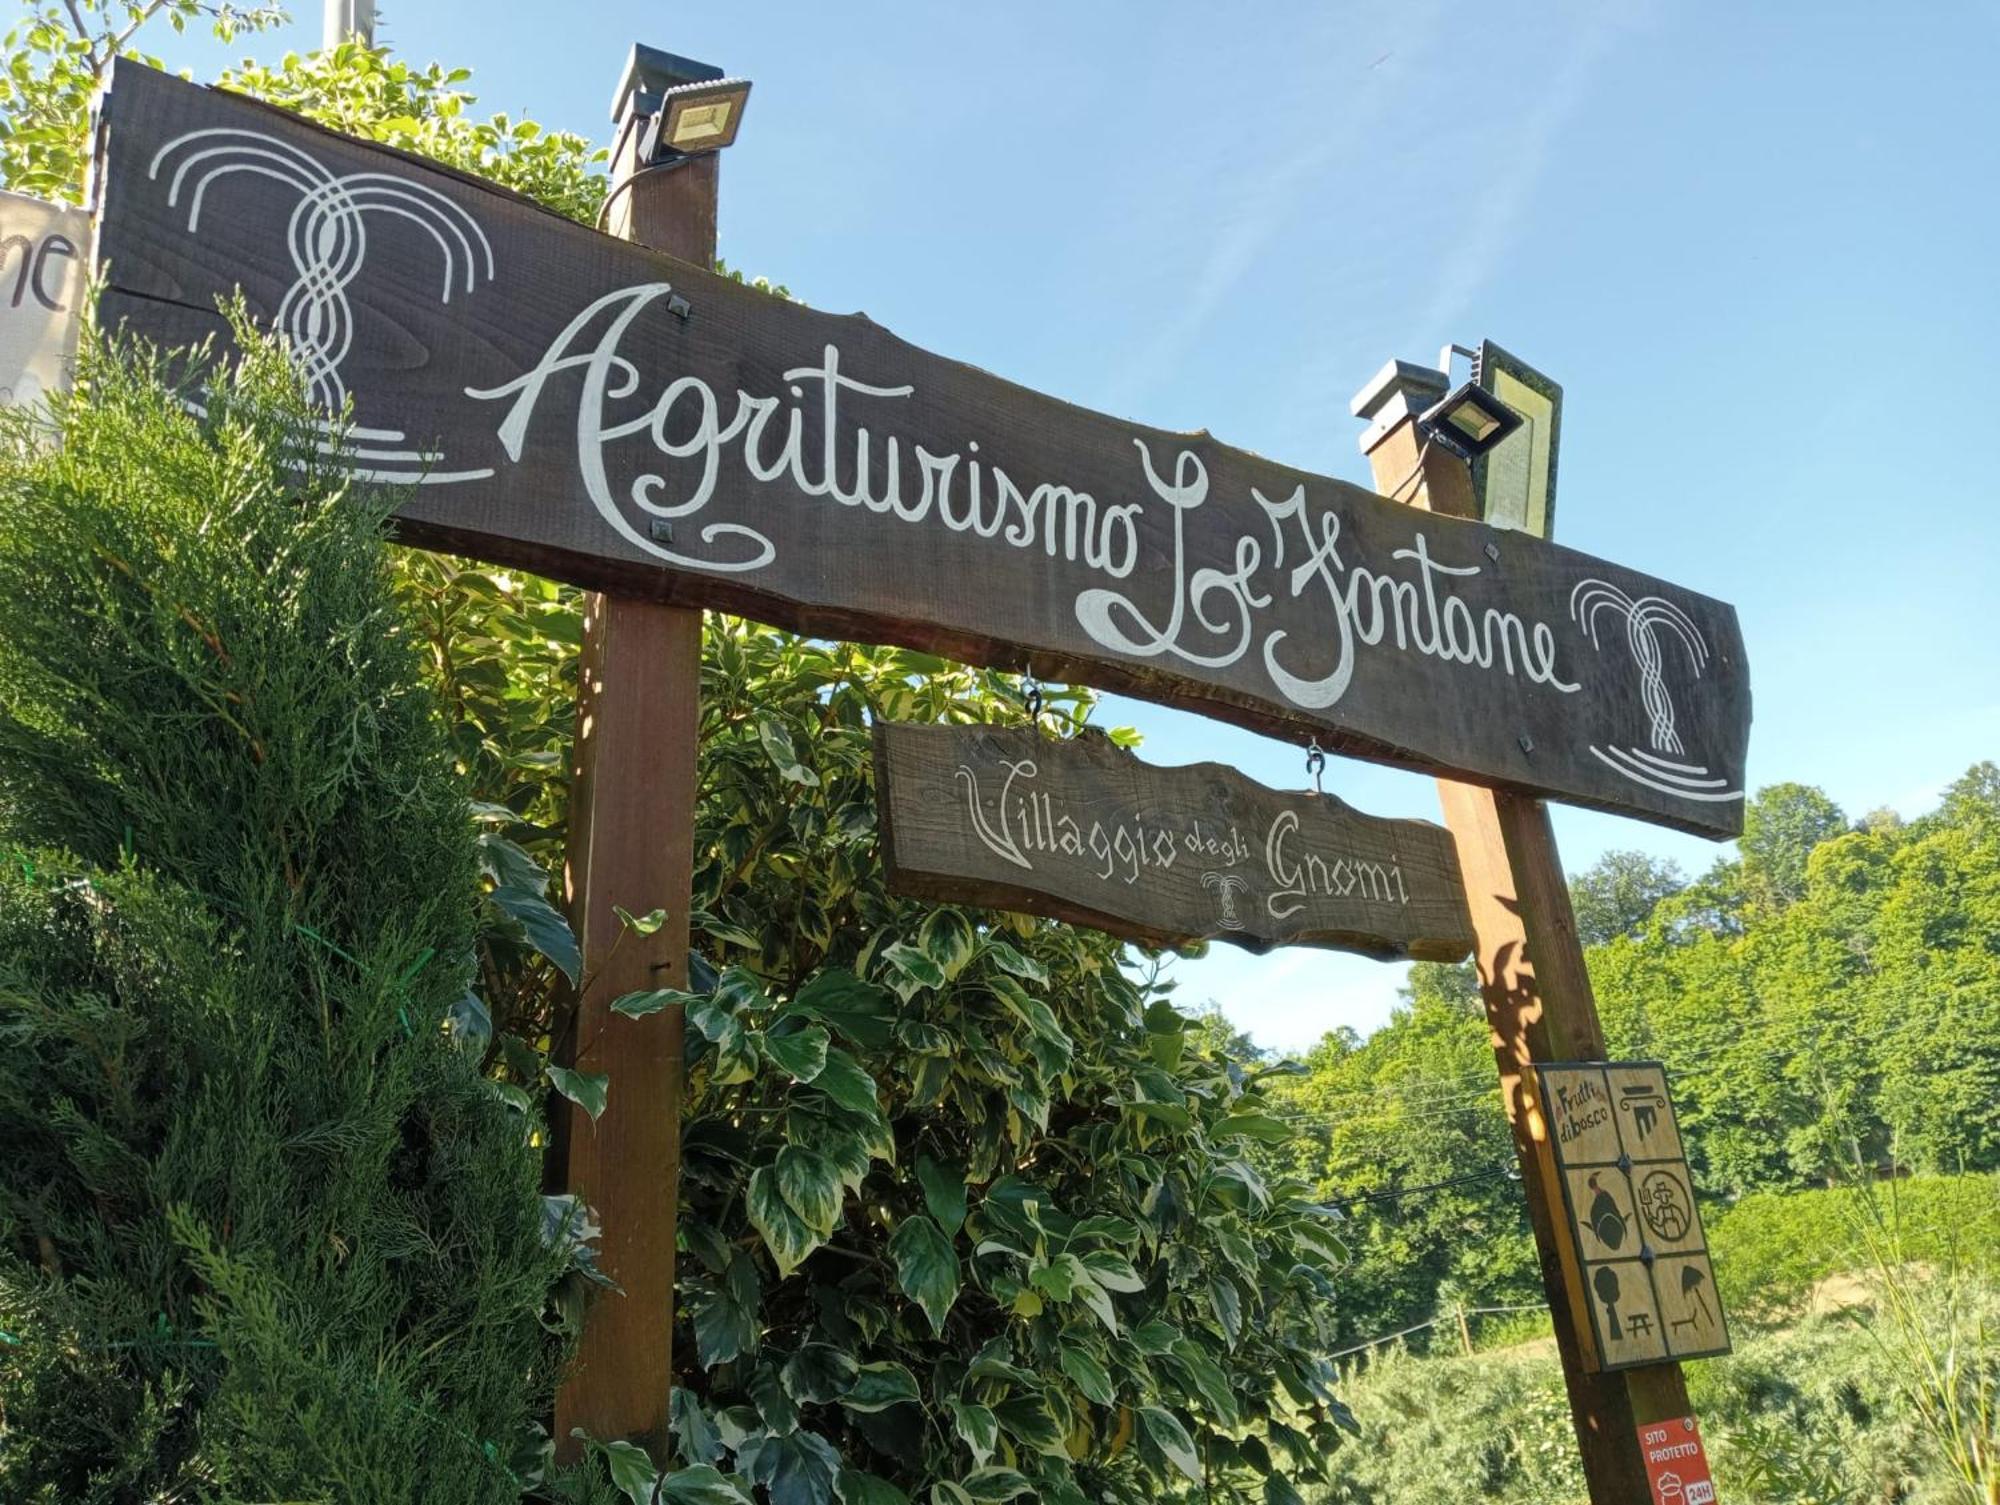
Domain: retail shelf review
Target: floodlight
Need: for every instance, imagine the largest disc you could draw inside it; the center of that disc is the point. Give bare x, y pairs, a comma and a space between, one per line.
700, 117
1469, 422
681, 107
1515, 481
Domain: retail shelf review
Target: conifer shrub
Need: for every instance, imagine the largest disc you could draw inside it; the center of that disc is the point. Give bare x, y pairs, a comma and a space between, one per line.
266, 1232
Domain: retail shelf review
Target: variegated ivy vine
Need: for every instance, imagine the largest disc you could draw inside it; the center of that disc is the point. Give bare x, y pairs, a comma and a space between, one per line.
971, 1212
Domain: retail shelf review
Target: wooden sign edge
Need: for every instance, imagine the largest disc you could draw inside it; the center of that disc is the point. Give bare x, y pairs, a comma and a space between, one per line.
923, 883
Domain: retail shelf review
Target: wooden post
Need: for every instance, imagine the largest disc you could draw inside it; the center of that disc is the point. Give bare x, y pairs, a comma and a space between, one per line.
631, 846
1531, 974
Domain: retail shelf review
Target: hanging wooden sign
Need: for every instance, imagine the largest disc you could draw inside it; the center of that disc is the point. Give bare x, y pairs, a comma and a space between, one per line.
574, 404
1081, 830
1635, 1254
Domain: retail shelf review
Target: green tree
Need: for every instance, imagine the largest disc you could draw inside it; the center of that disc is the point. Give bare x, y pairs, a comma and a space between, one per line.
1781, 826
1618, 893
1406, 1132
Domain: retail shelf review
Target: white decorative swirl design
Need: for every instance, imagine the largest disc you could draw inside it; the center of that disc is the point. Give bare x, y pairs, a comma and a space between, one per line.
327, 236
1645, 618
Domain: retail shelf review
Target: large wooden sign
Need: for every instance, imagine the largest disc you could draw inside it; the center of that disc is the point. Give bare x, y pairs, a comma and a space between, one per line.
574, 404
1083, 831
1635, 1254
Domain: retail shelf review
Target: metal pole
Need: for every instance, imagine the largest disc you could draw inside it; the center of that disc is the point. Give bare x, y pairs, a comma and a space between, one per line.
345, 19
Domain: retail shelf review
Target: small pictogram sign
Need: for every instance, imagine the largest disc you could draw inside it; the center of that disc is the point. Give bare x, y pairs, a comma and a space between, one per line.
1641, 1257
1676, 1465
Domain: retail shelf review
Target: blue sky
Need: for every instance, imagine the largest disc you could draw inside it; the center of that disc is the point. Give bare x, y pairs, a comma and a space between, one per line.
1757, 246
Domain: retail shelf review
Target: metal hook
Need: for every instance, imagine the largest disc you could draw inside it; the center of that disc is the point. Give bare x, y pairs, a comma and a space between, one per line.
1031, 697
1316, 766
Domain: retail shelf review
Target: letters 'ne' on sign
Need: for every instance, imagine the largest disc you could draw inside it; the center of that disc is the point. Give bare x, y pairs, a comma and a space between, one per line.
1637, 1253
1083, 831
570, 403
43, 247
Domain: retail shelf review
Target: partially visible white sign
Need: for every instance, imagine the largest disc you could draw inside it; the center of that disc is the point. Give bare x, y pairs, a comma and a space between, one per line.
44, 250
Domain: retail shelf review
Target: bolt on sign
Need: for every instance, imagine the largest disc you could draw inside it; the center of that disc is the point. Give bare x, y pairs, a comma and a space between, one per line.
577, 405
1640, 1262
44, 245
1676, 1463
1081, 830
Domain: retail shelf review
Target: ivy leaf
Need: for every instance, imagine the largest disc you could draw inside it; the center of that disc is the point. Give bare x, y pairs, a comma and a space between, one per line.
993, 1362
795, 1469
1166, 1433
802, 1054
818, 1373
715, 1021
996, 1485
725, 1321
1258, 1126
1115, 1230
1056, 1281
1228, 1308
1098, 1301
810, 1184
470, 1024
784, 756
944, 1492
773, 1401
879, 1386
1208, 1380
739, 991
1027, 1420
547, 931
926, 1267
632, 1472
1088, 1375
914, 970
944, 1192
695, 1437
1113, 1271
946, 937
858, 1010
787, 1235
1154, 1336
978, 1426
1010, 960
651, 1001
505, 862
587, 1089
701, 1485
645, 924
842, 1079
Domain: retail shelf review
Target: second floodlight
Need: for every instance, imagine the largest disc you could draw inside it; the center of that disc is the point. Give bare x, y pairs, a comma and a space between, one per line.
1469, 422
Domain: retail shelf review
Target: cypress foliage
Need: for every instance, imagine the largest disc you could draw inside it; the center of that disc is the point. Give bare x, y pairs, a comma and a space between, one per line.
264, 1233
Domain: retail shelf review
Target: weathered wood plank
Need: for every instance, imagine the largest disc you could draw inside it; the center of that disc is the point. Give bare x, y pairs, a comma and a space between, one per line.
577, 405
1081, 830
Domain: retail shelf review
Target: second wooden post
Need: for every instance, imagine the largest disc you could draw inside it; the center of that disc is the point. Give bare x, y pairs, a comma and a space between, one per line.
631, 847
1537, 993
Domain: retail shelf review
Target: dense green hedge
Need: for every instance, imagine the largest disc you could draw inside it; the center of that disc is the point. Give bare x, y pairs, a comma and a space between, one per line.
264, 1231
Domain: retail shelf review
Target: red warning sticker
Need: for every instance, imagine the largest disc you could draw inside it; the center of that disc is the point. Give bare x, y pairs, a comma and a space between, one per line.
1676, 1466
